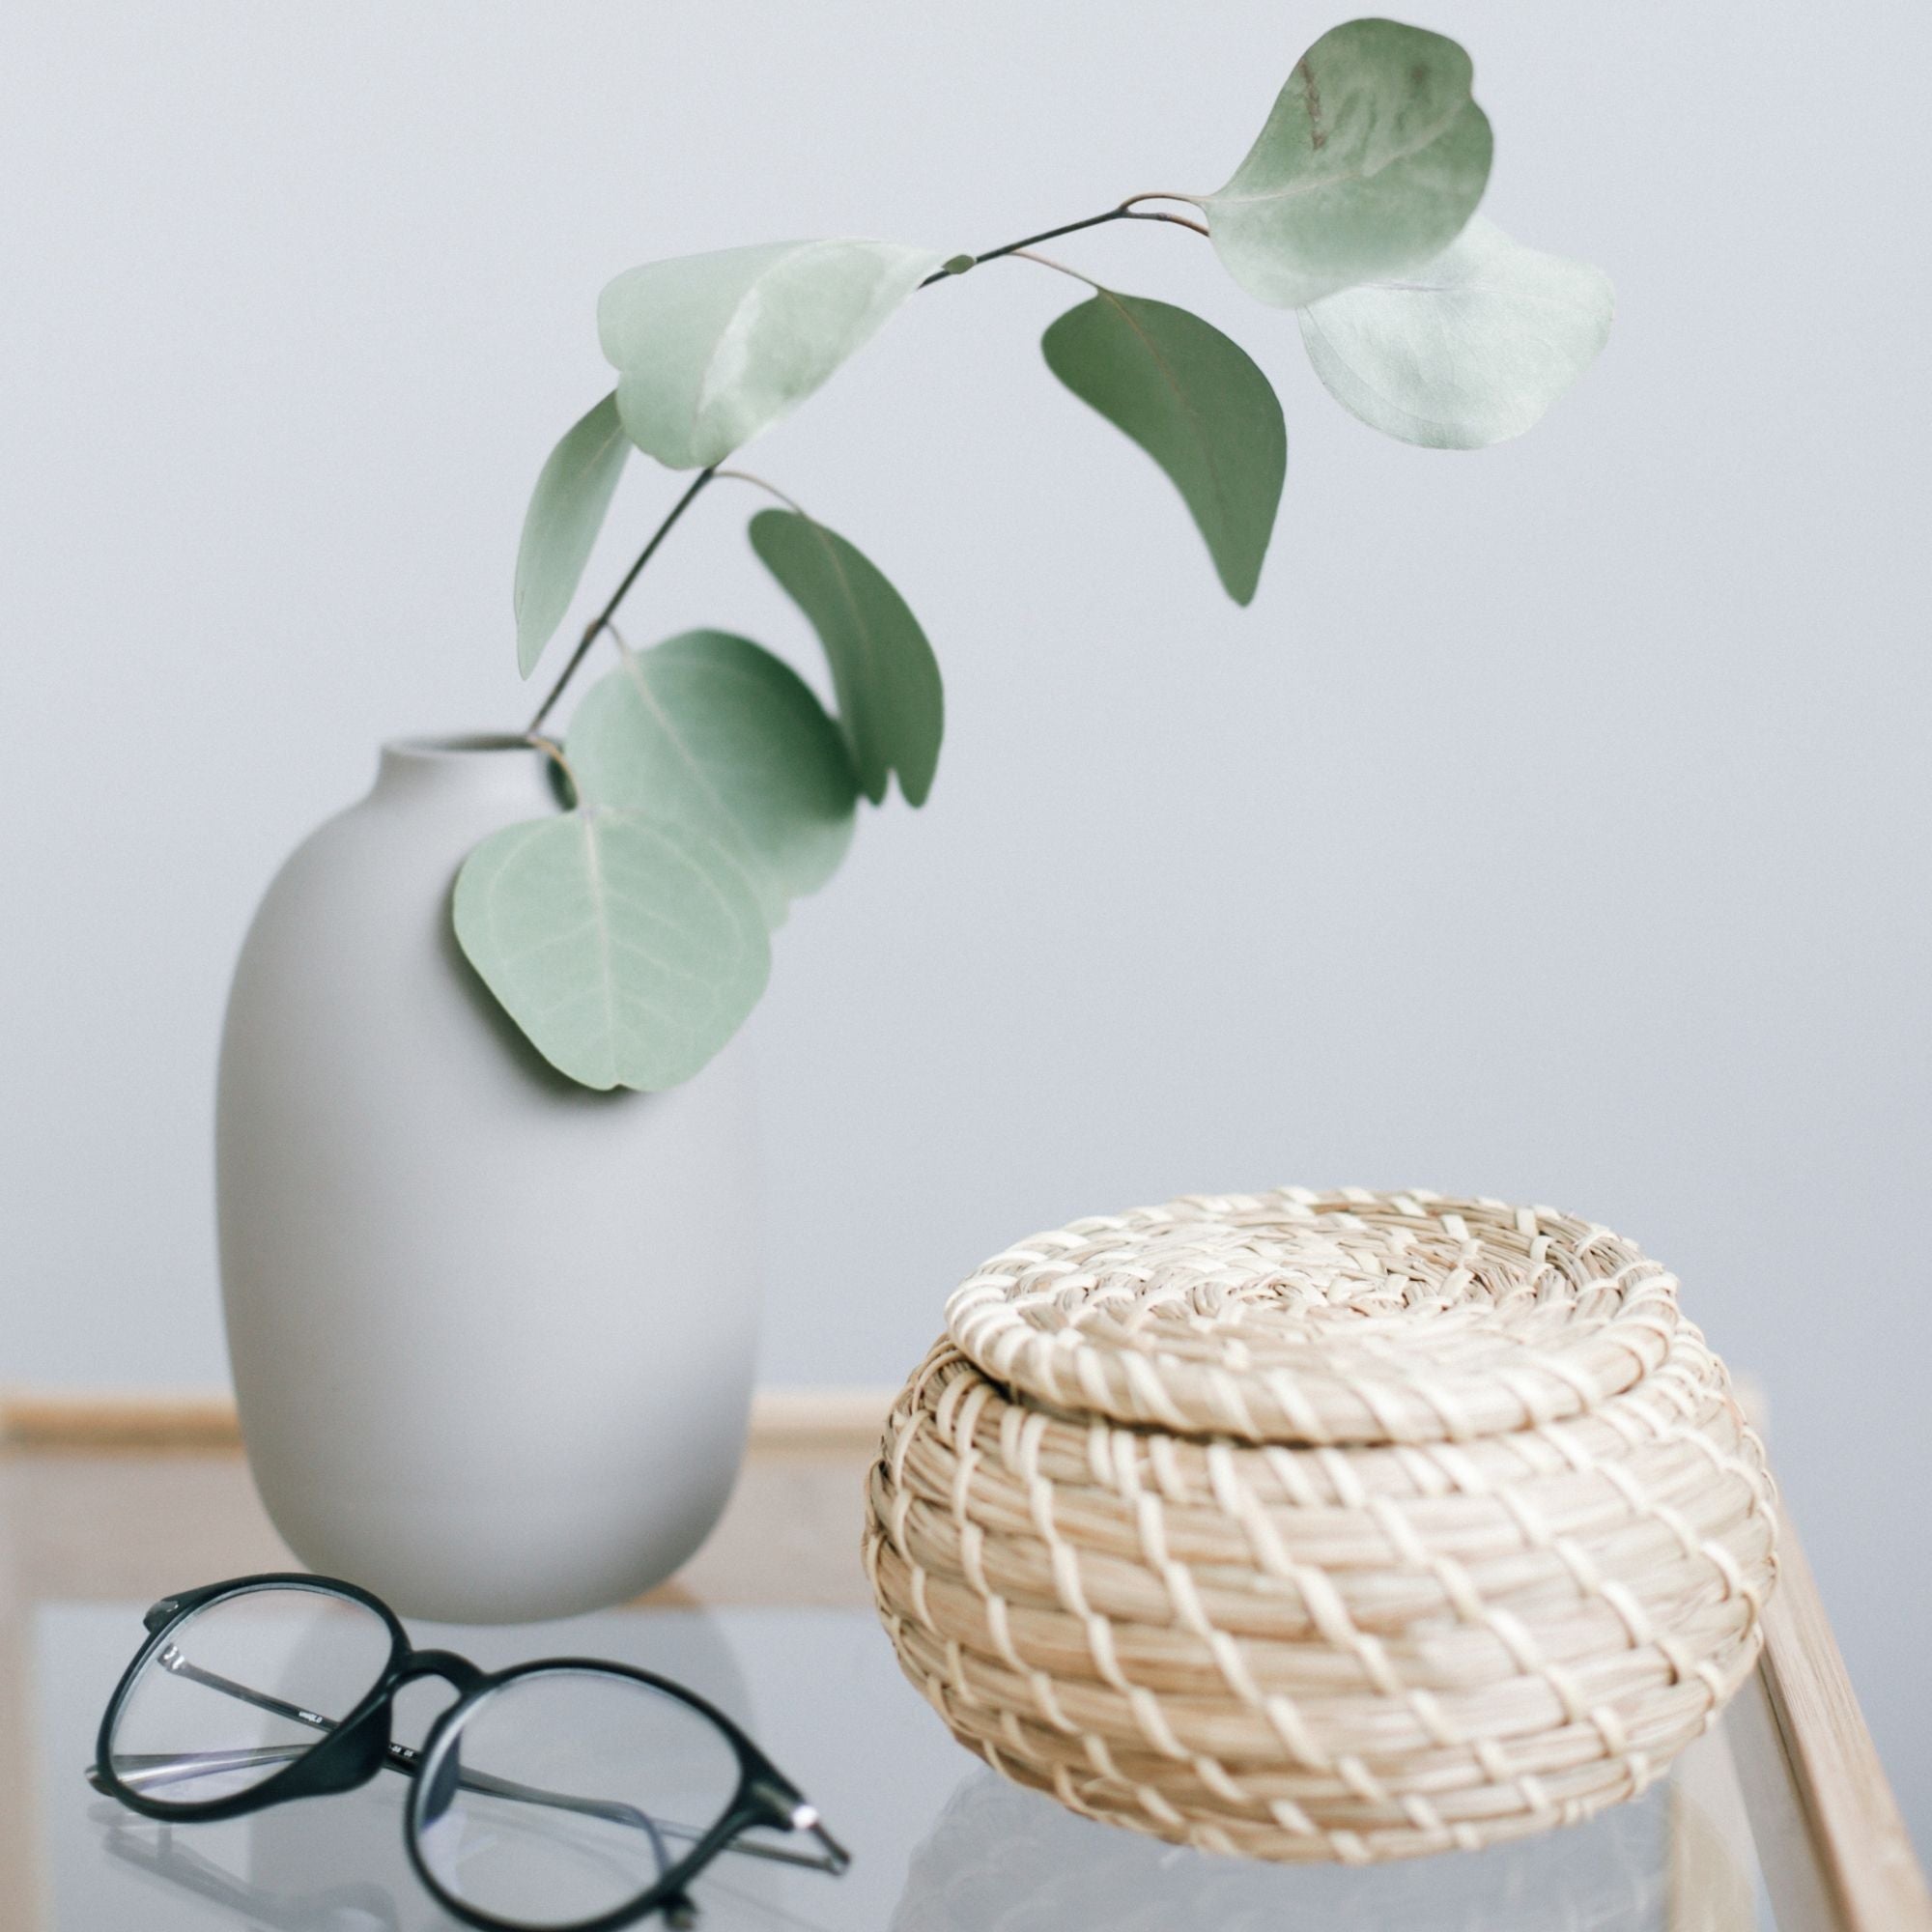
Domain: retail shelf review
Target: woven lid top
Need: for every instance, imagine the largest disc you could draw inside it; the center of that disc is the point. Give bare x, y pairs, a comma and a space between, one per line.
1304, 1318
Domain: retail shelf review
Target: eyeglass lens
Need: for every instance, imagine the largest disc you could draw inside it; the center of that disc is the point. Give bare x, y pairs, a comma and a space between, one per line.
567, 1794
241, 1689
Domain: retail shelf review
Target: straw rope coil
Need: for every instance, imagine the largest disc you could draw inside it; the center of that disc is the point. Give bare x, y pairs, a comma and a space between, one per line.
1342, 1526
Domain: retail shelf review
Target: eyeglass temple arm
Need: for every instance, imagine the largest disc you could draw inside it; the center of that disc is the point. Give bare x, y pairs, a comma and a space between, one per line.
833, 1857
163, 1770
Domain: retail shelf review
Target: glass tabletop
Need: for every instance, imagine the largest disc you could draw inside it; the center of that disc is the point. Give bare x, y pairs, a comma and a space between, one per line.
940, 1843
1779, 1817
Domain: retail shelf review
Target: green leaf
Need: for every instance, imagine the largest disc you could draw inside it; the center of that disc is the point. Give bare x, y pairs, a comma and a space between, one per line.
628, 951
711, 730
1470, 348
1196, 402
567, 509
711, 349
1373, 158
889, 701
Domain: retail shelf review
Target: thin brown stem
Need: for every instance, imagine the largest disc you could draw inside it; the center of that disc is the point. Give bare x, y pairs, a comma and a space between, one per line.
770, 489
1133, 201
1125, 212
1047, 261
609, 611
552, 751
1178, 220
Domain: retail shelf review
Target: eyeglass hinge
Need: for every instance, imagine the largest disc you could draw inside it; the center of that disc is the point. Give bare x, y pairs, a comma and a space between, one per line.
782, 1801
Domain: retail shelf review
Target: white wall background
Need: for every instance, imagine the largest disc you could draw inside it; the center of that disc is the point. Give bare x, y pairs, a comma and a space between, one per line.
1555, 825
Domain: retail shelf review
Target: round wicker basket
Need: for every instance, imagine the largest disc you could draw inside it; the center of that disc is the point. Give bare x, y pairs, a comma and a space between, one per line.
1307, 1525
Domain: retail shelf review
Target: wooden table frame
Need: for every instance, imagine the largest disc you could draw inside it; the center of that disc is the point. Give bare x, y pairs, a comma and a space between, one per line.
1836, 1851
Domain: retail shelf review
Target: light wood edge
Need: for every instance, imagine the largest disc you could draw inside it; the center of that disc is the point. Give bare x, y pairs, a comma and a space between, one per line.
1863, 1849
829, 1421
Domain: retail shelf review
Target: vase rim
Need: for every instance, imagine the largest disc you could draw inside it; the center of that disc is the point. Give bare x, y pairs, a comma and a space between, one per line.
457, 744
468, 766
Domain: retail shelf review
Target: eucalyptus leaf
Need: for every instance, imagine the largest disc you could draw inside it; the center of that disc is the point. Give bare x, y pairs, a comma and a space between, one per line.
1469, 350
628, 951
891, 704
713, 732
1196, 402
1372, 159
711, 349
567, 509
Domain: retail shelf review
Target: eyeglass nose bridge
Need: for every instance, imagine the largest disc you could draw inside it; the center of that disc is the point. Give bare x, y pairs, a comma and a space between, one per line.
458, 1672
354, 1754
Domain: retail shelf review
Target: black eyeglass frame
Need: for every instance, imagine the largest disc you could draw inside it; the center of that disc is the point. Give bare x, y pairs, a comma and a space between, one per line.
350, 1751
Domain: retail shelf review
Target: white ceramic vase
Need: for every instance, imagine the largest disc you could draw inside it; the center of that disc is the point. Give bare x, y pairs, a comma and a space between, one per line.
493, 1335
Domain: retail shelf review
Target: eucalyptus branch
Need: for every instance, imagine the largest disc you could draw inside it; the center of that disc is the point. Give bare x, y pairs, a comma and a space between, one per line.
711, 349
598, 623
1127, 210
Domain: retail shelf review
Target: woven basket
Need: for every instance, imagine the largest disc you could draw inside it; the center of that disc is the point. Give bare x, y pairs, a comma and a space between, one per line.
1324, 1525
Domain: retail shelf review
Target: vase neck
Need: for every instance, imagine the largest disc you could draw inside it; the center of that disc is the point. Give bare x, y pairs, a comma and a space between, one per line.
471, 768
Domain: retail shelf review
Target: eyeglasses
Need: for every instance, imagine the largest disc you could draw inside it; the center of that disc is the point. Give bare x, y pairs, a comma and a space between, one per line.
567, 1795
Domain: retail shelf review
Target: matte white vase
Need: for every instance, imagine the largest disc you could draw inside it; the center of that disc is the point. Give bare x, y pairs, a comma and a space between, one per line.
493, 1334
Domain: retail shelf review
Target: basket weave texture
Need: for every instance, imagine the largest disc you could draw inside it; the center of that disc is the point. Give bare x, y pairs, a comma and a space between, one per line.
1340, 1525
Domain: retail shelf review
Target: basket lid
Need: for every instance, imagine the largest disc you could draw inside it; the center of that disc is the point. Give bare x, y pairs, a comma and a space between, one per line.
1302, 1318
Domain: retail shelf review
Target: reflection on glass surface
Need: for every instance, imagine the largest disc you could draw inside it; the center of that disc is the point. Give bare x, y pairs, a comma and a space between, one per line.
160, 1853
198, 1875
1006, 1859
